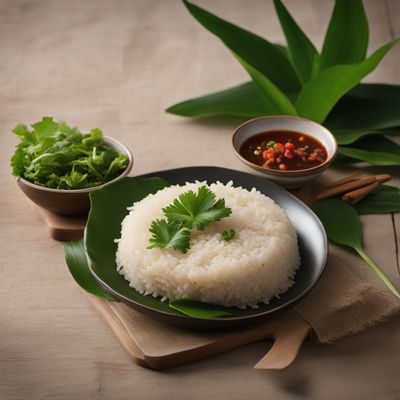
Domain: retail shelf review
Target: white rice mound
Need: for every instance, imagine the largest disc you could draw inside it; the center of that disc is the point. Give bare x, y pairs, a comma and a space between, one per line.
257, 265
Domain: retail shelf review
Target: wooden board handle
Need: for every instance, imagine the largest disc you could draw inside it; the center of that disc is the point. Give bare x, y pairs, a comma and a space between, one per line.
288, 338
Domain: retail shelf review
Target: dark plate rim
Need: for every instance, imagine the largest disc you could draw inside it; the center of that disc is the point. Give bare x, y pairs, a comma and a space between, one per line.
227, 318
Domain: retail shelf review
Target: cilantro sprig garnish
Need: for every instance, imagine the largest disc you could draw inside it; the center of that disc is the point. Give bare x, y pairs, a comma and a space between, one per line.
189, 211
169, 234
195, 211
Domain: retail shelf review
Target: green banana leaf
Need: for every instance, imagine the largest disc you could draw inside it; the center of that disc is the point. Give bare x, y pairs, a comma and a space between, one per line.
76, 260
108, 209
302, 52
346, 40
318, 96
253, 49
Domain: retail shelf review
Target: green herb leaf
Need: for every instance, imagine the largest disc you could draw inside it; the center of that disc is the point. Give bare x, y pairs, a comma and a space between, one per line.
228, 234
319, 95
302, 52
253, 49
343, 226
196, 210
346, 40
198, 309
383, 200
57, 156
169, 234
275, 100
76, 260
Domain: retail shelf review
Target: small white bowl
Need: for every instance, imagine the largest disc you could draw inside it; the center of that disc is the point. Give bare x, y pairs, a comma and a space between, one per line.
288, 179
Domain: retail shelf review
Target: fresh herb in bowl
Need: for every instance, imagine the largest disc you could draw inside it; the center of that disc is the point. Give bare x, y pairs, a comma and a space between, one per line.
55, 155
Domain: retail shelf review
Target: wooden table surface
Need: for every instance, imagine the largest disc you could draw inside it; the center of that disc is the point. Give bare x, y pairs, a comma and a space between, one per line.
117, 65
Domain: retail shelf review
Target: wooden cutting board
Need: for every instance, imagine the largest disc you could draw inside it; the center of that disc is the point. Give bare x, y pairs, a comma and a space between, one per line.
63, 227
155, 345
158, 346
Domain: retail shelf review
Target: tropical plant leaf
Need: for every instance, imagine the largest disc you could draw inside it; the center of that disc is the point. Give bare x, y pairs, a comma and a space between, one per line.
320, 94
253, 49
302, 52
385, 199
274, 99
348, 137
198, 309
75, 257
368, 90
376, 150
244, 100
365, 112
346, 40
340, 221
343, 226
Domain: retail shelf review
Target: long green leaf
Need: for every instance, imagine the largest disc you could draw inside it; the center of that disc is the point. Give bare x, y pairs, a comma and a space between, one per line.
340, 221
348, 137
198, 309
253, 49
274, 99
75, 257
343, 226
385, 199
376, 150
302, 52
346, 40
365, 112
374, 158
375, 90
244, 100
366, 106
320, 94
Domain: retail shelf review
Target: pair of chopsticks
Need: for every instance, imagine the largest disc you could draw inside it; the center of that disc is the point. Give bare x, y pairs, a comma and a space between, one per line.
353, 187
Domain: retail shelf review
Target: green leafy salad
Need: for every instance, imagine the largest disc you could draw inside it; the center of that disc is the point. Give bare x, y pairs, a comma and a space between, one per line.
58, 156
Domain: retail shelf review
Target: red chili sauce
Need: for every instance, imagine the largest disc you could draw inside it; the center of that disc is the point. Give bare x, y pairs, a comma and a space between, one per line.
284, 150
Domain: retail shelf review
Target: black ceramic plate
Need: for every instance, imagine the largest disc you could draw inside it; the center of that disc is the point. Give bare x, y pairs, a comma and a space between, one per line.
312, 242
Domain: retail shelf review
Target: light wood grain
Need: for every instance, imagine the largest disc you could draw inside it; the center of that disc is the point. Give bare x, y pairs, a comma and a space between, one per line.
118, 65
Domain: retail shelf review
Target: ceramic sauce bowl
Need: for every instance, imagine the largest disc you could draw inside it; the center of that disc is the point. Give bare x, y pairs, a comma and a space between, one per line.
289, 179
